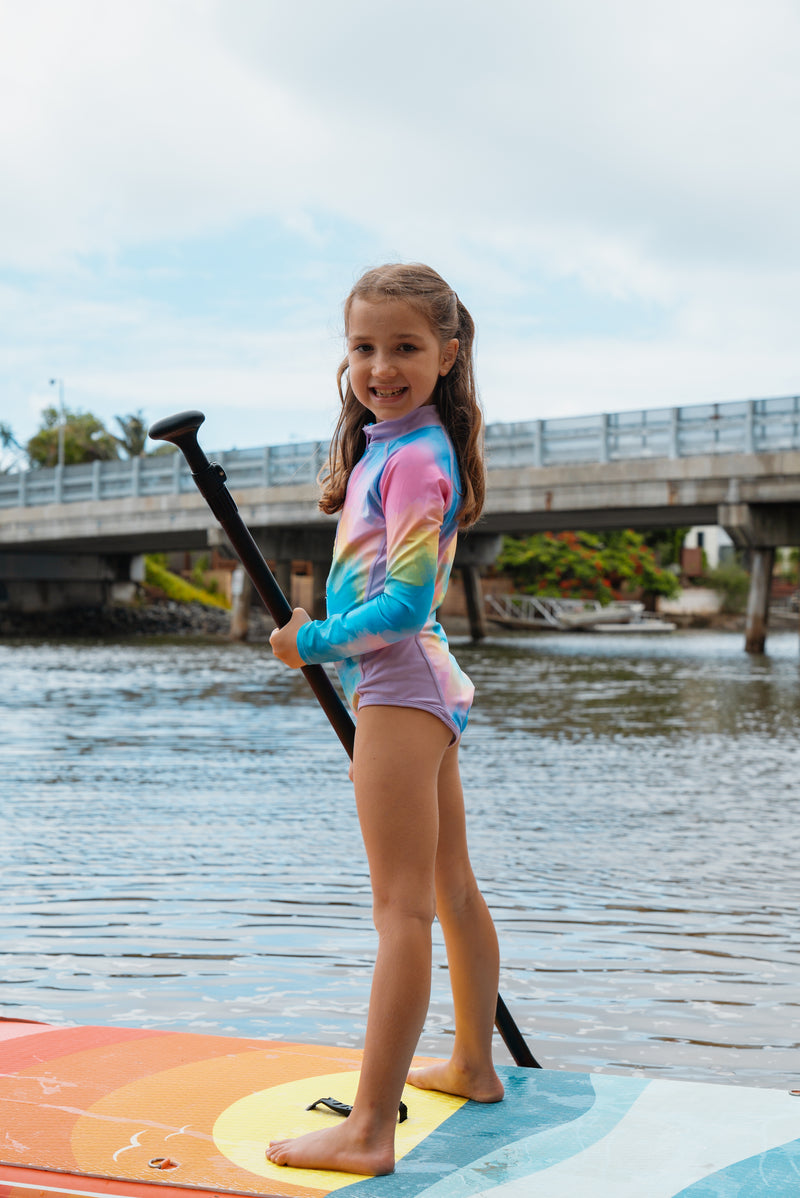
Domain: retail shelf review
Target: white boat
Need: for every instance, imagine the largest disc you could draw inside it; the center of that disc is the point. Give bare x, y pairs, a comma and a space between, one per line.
573, 615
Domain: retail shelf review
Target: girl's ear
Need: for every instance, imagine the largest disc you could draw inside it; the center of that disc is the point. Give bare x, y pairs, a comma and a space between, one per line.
449, 355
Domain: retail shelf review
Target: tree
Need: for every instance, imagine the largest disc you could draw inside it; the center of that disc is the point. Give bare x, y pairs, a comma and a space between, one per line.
9, 443
666, 543
582, 565
134, 434
86, 439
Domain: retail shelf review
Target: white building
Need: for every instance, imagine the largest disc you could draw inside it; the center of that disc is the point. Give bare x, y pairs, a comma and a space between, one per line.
713, 540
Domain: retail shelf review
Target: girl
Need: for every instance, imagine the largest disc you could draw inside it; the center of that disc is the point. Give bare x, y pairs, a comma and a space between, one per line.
406, 471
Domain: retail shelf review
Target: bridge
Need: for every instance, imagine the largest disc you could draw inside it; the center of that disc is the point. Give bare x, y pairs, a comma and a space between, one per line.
68, 535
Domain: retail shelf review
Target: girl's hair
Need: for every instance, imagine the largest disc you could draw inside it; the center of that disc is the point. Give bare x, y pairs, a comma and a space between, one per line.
455, 396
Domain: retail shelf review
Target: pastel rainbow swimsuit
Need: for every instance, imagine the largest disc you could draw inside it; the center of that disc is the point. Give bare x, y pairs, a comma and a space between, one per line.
394, 551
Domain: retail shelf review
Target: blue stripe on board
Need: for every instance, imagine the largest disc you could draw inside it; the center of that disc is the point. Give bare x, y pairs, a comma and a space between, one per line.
537, 1101
773, 1174
545, 1148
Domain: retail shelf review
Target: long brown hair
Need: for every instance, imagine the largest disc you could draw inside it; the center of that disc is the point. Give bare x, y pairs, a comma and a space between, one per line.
455, 397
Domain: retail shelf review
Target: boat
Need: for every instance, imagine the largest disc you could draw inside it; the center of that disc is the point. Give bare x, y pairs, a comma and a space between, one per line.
573, 615
134, 1112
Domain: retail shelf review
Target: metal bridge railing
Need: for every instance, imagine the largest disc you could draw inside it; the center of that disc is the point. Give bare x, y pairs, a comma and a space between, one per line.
746, 426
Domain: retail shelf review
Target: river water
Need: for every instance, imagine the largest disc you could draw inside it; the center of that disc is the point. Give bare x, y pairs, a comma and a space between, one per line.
181, 850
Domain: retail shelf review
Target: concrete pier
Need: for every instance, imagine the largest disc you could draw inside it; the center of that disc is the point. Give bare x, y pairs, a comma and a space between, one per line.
476, 608
761, 563
760, 529
242, 597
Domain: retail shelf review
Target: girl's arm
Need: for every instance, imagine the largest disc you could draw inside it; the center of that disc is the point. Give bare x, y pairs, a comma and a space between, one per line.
415, 493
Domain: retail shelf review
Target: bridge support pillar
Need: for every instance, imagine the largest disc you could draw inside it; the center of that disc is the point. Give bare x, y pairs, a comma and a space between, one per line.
282, 573
243, 592
761, 563
319, 575
476, 609
473, 551
760, 529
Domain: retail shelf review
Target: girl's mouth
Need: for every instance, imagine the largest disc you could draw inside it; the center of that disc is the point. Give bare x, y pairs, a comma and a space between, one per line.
381, 393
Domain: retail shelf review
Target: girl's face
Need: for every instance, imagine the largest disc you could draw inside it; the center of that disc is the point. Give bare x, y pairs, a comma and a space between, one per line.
394, 356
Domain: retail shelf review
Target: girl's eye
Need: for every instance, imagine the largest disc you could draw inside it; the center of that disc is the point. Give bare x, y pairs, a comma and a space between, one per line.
361, 349
408, 349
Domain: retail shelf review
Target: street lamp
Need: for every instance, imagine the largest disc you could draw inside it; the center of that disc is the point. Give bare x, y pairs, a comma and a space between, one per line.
60, 383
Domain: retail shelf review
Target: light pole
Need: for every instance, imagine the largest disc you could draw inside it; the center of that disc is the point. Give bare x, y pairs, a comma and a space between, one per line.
60, 383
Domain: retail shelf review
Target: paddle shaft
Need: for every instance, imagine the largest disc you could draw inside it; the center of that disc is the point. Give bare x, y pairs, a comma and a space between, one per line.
209, 477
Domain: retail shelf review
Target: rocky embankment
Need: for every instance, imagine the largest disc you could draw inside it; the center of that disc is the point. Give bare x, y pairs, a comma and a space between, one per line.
162, 617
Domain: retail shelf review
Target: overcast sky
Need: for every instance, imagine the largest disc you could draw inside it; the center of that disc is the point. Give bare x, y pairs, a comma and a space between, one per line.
190, 187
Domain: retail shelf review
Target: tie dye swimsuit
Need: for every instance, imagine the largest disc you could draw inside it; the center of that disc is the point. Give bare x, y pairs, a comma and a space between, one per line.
394, 551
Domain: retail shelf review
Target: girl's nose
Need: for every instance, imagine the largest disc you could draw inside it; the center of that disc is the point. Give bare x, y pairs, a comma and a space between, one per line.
383, 366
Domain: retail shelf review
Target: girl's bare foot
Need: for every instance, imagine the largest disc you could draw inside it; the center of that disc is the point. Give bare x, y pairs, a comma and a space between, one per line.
449, 1078
342, 1149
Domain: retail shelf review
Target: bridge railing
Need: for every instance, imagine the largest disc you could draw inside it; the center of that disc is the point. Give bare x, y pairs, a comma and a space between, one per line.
746, 426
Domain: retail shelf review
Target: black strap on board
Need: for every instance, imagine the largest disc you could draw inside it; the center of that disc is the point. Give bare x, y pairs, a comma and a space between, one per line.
344, 1109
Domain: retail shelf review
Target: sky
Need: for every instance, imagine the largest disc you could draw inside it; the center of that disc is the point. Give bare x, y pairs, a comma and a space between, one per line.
189, 188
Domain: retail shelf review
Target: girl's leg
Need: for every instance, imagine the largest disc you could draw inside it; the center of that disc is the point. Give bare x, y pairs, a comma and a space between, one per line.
472, 954
398, 754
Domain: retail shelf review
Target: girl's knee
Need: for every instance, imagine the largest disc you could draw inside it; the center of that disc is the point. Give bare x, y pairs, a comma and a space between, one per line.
392, 914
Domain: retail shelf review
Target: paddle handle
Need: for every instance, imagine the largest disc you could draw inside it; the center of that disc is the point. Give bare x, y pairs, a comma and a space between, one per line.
181, 430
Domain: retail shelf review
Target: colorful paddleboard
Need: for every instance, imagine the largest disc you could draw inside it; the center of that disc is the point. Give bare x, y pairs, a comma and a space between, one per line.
90, 1111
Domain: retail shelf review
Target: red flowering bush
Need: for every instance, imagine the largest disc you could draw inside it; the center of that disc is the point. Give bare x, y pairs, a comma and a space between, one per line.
584, 565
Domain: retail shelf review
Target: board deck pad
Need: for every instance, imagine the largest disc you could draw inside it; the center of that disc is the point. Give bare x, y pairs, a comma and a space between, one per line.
143, 1113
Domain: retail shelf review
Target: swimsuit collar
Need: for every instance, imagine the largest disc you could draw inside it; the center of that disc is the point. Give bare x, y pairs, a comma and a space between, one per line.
387, 430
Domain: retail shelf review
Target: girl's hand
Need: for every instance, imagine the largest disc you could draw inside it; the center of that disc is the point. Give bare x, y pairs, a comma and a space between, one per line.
284, 640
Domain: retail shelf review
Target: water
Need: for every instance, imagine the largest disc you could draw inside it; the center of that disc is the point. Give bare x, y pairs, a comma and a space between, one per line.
181, 850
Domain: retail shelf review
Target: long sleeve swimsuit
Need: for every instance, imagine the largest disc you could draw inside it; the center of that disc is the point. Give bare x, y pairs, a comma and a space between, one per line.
392, 558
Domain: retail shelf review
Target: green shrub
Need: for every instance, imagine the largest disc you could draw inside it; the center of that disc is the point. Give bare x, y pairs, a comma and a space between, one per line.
732, 582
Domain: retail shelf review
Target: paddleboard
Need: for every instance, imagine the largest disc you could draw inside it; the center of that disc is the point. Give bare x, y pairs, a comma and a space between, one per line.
91, 1111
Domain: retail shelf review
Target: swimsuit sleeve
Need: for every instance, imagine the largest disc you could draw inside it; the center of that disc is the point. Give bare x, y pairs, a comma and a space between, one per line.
415, 494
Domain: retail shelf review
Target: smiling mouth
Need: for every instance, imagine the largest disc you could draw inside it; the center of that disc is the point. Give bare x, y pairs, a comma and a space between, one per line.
387, 394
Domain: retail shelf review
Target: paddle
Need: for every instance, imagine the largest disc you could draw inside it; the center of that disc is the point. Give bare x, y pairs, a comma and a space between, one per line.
181, 430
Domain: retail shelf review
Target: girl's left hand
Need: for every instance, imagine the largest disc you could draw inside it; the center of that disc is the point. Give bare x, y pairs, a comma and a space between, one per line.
284, 640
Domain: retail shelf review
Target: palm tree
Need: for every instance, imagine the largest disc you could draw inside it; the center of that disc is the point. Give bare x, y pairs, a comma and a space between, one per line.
134, 434
9, 441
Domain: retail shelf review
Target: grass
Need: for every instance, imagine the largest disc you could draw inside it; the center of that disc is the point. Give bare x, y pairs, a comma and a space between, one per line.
177, 588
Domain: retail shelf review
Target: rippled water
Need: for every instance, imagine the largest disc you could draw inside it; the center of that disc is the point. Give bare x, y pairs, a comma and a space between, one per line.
181, 850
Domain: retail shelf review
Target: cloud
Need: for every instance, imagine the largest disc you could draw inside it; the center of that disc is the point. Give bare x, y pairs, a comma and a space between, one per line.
612, 188
657, 124
652, 124
137, 125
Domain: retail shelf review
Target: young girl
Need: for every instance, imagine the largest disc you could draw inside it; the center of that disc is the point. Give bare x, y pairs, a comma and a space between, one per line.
406, 471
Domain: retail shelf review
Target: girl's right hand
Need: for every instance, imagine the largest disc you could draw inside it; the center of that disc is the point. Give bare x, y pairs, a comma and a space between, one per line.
284, 640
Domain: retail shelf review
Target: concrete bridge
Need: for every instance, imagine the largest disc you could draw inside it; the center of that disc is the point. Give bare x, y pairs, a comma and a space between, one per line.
70, 535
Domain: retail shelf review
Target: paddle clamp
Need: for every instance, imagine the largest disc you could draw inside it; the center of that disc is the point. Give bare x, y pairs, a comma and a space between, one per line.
342, 1108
